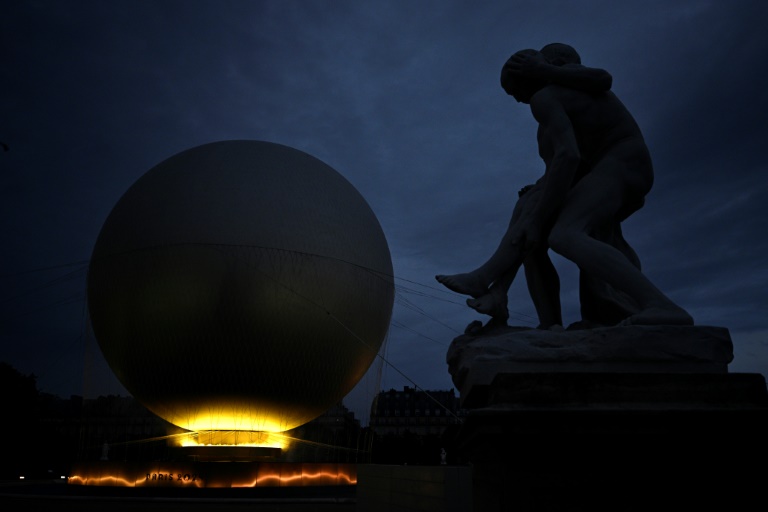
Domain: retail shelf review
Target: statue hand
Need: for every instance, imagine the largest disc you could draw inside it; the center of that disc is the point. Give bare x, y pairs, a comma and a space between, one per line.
526, 65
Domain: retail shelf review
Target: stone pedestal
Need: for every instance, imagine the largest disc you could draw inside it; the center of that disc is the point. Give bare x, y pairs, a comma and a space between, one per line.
589, 420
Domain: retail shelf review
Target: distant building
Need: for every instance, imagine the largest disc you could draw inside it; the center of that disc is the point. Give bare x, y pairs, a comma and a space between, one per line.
334, 436
418, 412
338, 418
121, 428
416, 427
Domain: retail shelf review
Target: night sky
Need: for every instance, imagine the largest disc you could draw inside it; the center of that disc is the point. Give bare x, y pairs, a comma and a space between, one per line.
403, 99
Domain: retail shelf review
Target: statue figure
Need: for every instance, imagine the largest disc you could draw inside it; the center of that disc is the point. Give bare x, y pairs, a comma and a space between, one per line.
598, 171
601, 305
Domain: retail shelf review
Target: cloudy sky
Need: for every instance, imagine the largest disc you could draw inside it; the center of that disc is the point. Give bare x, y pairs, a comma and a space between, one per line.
403, 99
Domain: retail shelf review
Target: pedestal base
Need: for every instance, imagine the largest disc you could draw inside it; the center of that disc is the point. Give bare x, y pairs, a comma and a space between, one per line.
619, 454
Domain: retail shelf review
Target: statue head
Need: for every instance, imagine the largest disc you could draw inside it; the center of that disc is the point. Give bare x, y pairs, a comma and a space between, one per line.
519, 87
558, 54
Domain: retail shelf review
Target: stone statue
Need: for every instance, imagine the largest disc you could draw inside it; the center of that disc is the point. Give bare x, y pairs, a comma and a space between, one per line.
601, 305
634, 359
598, 171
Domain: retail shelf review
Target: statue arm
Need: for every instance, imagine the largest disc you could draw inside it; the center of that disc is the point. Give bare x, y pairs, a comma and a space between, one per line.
555, 130
574, 76
579, 77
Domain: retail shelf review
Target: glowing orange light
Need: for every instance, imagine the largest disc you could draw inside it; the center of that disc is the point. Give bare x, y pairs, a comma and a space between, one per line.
244, 438
290, 481
259, 474
109, 480
228, 417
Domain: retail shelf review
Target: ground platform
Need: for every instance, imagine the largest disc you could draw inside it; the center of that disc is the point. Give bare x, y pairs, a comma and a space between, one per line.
61, 497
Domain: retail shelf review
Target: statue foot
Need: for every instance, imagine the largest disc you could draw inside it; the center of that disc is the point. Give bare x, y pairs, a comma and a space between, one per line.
477, 328
490, 304
465, 284
659, 316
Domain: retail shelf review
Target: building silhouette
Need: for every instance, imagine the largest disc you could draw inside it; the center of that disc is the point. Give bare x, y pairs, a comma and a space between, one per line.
412, 426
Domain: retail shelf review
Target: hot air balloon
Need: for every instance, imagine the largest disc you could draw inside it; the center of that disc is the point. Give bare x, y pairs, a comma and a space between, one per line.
240, 286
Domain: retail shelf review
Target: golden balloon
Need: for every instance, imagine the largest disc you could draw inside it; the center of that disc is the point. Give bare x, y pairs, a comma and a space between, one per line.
240, 285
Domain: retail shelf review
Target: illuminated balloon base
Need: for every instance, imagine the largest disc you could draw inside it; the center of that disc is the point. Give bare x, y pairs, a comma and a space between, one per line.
230, 445
218, 459
234, 438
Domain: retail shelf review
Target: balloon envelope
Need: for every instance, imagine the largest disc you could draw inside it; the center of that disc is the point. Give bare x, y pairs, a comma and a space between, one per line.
240, 285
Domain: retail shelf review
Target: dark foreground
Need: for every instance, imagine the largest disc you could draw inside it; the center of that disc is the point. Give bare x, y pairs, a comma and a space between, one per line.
61, 497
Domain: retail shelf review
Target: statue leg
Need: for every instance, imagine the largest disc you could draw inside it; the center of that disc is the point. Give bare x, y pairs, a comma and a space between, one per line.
601, 304
503, 263
544, 287
597, 199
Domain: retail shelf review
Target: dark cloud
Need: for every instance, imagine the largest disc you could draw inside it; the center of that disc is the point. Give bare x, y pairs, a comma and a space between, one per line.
403, 99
